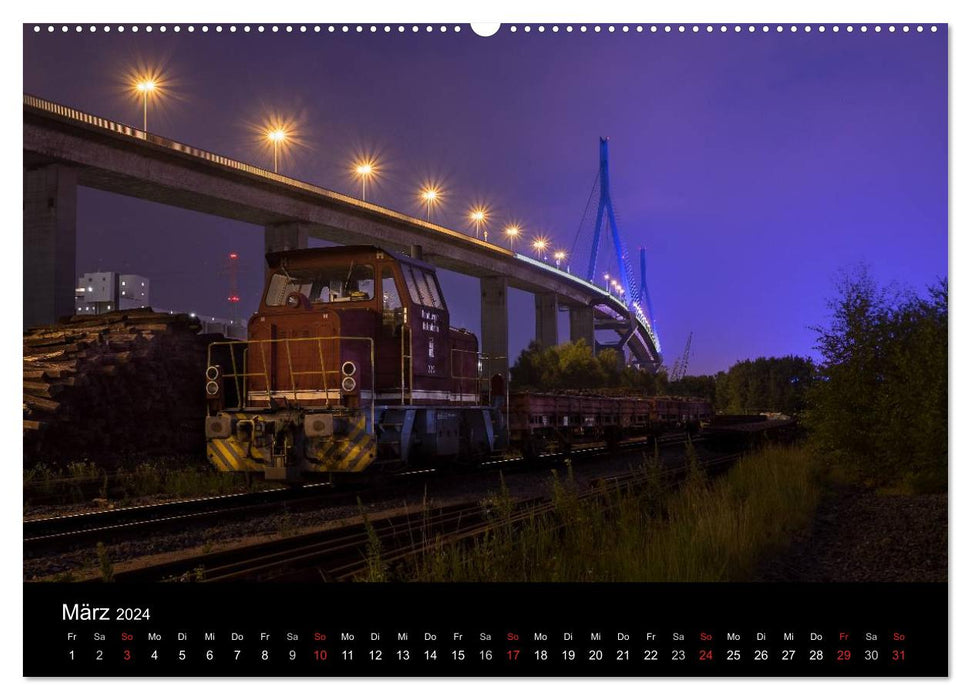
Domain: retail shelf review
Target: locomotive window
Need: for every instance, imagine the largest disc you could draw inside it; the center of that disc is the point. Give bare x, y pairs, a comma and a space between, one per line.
423, 287
389, 291
433, 290
410, 281
423, 291
331, 283
281, 287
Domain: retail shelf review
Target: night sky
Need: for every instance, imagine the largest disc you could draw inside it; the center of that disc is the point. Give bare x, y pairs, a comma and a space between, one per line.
752, 167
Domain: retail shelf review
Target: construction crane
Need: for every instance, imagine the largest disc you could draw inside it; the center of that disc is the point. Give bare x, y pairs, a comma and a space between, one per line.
681, 364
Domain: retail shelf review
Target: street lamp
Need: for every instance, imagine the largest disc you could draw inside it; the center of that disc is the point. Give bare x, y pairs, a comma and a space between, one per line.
606, 282
276, 136
539, 245
558, 257
145, 87
478, 217
365, 170
430, 196
512, 233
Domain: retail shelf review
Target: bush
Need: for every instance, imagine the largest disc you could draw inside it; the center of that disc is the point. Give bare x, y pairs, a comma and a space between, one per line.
881, 402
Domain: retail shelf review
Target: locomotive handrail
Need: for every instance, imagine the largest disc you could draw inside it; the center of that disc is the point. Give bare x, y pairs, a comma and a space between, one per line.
262, 344
479, 378
406, 354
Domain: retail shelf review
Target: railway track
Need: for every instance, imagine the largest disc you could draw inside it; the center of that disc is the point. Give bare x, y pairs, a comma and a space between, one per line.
342, 554
61, 533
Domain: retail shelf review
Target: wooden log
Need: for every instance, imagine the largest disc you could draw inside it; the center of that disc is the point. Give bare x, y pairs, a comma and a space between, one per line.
41, 404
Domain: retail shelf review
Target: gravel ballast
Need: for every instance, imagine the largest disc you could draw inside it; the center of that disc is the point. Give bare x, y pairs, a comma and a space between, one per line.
859, 535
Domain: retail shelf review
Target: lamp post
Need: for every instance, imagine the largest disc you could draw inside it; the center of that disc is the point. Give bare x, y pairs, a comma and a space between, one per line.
364, 171
430, 196
478, 217
145, 87
512, 233
558, 257
276, 136
539, 245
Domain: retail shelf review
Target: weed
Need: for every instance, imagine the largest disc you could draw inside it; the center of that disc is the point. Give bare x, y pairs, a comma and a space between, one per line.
703, 531
377, 570
104, 564
287, 524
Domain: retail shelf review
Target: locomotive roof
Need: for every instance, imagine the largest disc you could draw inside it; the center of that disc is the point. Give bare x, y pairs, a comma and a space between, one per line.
312, 255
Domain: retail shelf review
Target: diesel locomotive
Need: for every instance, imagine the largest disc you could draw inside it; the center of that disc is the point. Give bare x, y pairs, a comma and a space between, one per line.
351, 365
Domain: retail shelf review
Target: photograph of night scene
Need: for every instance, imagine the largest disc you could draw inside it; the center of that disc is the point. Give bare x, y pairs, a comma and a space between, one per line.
566, 303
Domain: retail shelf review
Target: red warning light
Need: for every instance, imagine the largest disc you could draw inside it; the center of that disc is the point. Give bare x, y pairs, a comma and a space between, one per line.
233, 256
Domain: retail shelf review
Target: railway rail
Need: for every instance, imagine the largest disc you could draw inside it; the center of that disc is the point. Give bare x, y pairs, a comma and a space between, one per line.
65, 532
341, 554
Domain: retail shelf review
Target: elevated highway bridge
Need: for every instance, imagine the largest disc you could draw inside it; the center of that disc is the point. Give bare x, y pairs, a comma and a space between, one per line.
65, 148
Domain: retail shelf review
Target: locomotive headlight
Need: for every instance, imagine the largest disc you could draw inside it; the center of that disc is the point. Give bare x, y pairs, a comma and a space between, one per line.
348, 384
212, 372
212, 388
348, 369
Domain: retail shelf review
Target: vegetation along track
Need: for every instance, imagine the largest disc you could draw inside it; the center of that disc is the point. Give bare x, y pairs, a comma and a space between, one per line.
345, 553
84, 529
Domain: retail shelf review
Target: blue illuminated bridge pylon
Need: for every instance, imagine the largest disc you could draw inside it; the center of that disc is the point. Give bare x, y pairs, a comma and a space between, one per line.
634, 293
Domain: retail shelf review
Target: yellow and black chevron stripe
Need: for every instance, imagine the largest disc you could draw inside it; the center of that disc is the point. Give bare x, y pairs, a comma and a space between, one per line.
230, 455
353, 452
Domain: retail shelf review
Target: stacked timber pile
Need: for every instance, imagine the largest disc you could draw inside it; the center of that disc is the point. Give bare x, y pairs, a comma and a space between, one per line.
119, 383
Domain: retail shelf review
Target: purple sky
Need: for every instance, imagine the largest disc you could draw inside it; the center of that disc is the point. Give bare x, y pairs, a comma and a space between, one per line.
752, 167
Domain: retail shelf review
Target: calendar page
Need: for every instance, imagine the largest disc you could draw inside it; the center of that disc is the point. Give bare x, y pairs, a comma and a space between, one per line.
546, 349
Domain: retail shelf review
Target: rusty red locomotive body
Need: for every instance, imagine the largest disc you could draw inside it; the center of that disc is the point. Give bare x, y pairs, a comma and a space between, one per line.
351, 364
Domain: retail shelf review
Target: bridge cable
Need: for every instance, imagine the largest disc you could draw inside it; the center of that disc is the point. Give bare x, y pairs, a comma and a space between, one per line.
586, 209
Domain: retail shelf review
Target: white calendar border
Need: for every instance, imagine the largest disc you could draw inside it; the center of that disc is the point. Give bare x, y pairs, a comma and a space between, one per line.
937, 11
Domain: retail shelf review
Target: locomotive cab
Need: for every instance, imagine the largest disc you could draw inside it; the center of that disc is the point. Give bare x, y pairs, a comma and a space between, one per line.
350, 360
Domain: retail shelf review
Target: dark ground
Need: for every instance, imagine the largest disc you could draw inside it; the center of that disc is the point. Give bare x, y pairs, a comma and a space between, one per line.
861, 536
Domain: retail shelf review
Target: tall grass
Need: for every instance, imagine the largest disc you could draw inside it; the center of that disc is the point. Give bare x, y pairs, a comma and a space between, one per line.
81, 481
699, 531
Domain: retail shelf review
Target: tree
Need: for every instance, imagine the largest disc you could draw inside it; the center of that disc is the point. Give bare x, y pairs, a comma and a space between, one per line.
880, 406
573, 365
766, 384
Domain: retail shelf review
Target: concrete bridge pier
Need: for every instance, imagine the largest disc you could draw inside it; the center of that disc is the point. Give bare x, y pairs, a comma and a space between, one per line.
50, 243
547, 333
581, 325
495, 326
290, 235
